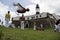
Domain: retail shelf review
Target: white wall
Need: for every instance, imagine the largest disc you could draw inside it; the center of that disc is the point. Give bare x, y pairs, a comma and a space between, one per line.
44, 14
55, 16
16, 18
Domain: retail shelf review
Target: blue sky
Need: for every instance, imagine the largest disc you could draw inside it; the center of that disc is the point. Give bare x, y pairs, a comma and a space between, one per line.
52, 6
10, 3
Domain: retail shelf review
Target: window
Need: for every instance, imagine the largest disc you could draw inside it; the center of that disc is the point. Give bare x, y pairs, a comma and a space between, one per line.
28, 18
37, 12
36, 16
32, 17
40, 15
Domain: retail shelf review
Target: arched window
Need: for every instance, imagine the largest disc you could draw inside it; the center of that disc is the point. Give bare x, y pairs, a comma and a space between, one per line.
36, 16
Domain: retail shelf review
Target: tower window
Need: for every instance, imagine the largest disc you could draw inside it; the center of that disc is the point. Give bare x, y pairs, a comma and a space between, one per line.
40, 15
36, 16
37, 12
32, 17
28, 18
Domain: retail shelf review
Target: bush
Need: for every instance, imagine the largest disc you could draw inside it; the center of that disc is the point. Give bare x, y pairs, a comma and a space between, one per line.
8, 39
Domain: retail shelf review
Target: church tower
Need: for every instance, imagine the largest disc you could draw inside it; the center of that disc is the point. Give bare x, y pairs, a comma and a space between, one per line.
37, 9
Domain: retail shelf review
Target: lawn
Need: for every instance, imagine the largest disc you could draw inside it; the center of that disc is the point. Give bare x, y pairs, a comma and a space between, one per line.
29, 34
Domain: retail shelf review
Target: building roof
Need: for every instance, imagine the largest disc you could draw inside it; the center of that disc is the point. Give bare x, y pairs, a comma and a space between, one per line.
44, 14
41, 15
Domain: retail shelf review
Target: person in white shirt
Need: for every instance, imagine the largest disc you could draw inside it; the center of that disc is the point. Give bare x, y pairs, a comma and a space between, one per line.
57, 26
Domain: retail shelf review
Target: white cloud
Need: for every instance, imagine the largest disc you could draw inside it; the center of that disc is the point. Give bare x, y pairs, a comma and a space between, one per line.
32, 10
35, 1
45, 6
3, 10
52, 6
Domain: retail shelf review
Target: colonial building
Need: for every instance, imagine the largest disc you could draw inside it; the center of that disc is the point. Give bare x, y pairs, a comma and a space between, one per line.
44, 18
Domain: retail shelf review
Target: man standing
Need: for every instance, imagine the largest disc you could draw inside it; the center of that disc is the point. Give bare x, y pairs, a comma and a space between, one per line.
7, 18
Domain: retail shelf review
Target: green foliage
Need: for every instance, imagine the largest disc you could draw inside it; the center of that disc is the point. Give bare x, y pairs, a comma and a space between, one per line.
1, 35
29, 34
7, 39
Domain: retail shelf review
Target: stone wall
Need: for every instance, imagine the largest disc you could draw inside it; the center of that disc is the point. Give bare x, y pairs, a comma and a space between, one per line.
30, 23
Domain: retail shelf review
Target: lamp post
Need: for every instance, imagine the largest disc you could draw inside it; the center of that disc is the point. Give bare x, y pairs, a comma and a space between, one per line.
21, 10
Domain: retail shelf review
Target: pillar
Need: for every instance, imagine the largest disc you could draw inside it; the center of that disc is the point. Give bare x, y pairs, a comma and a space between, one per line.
22, 25
34, 25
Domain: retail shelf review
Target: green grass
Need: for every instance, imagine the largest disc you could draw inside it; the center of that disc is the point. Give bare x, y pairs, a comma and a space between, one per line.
29, 34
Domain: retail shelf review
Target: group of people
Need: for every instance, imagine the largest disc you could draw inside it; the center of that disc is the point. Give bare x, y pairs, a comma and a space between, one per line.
8, 16
38, 28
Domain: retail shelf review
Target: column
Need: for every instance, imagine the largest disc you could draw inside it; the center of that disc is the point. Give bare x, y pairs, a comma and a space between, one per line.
22, 25
34, 25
